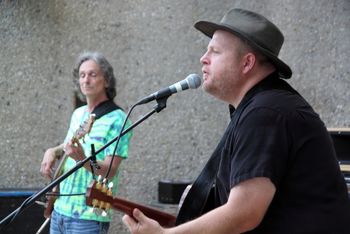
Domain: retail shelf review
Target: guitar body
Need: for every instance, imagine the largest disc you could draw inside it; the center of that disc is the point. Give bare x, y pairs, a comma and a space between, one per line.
97, 197
49, 204
52, 198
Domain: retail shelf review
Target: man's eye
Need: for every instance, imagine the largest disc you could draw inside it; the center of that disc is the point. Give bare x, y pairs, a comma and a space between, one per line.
213, 50
81, 75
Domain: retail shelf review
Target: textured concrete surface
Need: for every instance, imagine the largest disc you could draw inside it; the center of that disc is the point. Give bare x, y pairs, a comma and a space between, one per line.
151, 44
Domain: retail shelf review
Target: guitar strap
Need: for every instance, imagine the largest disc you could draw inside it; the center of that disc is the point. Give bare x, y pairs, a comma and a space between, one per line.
199, 197
104, 108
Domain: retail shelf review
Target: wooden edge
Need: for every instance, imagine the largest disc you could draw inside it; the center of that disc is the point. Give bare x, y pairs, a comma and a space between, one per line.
347, 130
345, 167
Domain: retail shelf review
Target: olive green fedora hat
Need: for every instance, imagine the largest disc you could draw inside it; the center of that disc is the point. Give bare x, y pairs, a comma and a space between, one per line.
260, 33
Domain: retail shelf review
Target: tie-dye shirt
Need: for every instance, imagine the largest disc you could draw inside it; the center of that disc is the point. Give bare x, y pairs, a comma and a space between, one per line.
103, 131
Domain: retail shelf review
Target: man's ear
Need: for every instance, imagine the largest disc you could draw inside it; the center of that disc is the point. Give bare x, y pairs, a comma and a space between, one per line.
248, 61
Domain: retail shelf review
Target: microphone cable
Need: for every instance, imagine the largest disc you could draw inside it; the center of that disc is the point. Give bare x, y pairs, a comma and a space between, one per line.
117, 143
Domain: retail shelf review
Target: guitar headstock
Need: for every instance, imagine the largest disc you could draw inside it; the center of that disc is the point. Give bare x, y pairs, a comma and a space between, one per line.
84, 129
99, 196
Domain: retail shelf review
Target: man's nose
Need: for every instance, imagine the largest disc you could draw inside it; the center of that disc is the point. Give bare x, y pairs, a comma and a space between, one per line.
204, 59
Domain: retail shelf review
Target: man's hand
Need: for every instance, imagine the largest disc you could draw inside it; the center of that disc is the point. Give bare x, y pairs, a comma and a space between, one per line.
74, 150
141, 224
48, 163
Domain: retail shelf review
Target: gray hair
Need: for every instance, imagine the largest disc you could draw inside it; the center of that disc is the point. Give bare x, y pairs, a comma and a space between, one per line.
106, 69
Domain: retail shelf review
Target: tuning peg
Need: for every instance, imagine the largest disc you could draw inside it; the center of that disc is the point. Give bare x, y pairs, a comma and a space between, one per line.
104, 213
98, 211
105, 181
94, 204
104, 206
104, 186
98, 182
110, 187
92, 210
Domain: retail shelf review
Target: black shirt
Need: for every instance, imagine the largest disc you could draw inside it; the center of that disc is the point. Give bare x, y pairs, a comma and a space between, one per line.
279, 136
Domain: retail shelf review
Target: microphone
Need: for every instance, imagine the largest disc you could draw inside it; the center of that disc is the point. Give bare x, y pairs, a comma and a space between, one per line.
192, 81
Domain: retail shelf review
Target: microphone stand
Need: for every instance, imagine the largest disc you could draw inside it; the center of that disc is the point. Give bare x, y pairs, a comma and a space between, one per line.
161, 104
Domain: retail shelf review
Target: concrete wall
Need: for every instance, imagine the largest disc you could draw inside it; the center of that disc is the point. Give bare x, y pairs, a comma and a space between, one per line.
151, 44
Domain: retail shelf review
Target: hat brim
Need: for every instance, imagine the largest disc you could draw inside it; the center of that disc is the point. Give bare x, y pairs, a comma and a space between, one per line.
209, 28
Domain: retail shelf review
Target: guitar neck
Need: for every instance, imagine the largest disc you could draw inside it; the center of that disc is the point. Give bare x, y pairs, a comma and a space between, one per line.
127, 207
60, 165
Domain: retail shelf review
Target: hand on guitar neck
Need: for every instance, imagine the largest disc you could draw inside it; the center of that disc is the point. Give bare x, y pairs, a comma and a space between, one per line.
51, 163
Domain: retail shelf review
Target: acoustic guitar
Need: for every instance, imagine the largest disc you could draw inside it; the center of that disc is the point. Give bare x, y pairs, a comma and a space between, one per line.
99, 196
83, 129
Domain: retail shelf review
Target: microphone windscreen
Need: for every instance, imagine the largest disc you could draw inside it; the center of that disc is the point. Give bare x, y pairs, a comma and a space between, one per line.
194, 81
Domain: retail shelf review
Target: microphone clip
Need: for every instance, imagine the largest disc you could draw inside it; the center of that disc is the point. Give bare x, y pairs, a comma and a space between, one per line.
161, 104
93, 162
